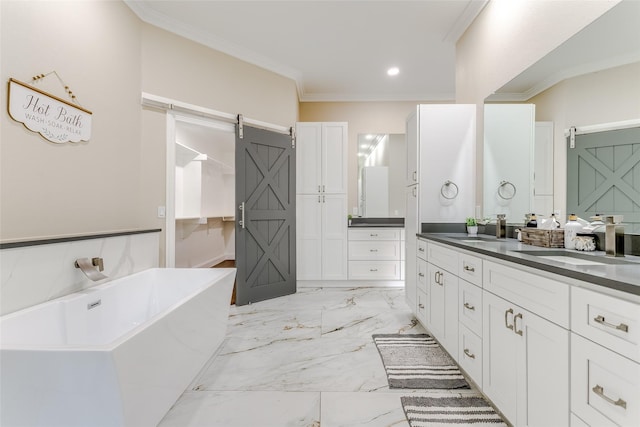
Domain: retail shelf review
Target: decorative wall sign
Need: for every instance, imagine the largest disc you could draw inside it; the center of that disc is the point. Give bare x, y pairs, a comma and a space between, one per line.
55, 119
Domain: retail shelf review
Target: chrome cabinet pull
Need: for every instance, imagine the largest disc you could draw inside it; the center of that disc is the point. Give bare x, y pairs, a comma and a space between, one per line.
515, 324
421, 249
469, 354
506, 315
323, 190
414, 191
373, 269
471, 269
420, 305
469, 306
421, 274
373, 235
319, 199
415, 175
621, 327
318, 189
373, 250
599, 390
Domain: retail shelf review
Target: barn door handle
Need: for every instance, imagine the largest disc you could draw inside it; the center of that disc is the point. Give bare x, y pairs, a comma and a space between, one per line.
241, 207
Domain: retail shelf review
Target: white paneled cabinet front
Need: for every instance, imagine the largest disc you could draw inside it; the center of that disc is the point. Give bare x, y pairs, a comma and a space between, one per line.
525, 364
321, 189
374, 253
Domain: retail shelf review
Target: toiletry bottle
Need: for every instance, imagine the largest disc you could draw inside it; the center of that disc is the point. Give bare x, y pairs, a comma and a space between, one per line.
501, 226
571, 229
555, 222
533, 222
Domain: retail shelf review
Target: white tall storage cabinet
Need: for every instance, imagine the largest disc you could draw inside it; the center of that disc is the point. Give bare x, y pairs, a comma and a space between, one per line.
440, 180
321, 200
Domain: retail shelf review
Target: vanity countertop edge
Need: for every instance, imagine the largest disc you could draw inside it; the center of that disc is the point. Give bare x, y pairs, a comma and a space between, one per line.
621, 277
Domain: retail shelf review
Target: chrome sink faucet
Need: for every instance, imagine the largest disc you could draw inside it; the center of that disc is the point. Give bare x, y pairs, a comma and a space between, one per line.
613, 236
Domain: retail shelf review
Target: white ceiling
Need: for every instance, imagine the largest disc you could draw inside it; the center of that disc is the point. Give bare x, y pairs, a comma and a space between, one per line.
340, 50
334, 50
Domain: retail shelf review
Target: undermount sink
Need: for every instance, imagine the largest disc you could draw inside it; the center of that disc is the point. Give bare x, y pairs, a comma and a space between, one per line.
574, 258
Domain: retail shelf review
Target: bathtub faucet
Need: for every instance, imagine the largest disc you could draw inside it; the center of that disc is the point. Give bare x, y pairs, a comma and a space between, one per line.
91, 268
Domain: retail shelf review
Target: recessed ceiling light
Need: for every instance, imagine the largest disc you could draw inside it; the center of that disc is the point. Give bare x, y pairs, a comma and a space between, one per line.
393, 71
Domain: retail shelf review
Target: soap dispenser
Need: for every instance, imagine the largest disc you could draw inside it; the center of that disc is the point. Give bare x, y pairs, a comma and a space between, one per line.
571, 230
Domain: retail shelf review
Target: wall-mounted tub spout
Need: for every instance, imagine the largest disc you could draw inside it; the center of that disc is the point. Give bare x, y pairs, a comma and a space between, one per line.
91, 268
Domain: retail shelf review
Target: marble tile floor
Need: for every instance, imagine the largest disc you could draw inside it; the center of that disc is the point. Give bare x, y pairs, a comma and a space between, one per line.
306, 360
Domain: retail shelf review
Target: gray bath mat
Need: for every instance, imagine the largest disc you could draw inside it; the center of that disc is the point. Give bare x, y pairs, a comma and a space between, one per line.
417, 361
460, 411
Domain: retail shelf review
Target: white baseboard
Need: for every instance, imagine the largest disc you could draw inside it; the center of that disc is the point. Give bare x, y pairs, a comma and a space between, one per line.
350, 283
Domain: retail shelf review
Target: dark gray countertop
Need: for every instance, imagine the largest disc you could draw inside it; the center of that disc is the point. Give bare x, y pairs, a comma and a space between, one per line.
622, 274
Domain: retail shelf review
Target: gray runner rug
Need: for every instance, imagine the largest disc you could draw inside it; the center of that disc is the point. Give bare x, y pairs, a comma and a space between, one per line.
418, 362
442, 411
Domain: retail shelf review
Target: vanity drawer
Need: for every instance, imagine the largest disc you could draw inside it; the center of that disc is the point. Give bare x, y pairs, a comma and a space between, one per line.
443, 257
374, 270
605, 387
374, 234
470, 306
470, 357
422, 279
374, 250
545, 297
422, 249
470, 269
607, 320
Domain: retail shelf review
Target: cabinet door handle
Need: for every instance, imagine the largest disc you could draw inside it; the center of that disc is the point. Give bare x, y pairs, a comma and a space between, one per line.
373, 269
469, 306
319, 189
469, 354
515, 324
373, 235
319, 199
621, 327
506, 315
242, 223
420, 305
599, 390
323, 190
421, 249
467, 268
373, 250
421, 274
415, 175
415, 191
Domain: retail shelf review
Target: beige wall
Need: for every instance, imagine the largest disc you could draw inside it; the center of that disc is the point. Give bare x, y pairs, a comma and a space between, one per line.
59, 189
363, 117
607, 96
108, 57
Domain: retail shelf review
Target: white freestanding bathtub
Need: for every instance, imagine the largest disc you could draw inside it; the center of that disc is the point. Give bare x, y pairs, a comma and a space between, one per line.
117, 354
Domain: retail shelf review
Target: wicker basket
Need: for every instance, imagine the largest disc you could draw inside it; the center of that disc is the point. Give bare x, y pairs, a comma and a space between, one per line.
544, 238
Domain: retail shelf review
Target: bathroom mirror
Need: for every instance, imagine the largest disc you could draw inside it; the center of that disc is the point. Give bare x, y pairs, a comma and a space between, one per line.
609, 44
381, 171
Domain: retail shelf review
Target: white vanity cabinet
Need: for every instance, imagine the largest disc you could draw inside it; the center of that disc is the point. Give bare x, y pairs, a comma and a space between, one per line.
525, 337
605, 356
321, 197
375, 253
442, 308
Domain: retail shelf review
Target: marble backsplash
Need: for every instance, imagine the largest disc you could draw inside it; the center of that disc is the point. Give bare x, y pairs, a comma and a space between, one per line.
34, 272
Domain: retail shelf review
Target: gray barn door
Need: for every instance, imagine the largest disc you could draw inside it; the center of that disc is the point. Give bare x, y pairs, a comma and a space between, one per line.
265, 219
603, 176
